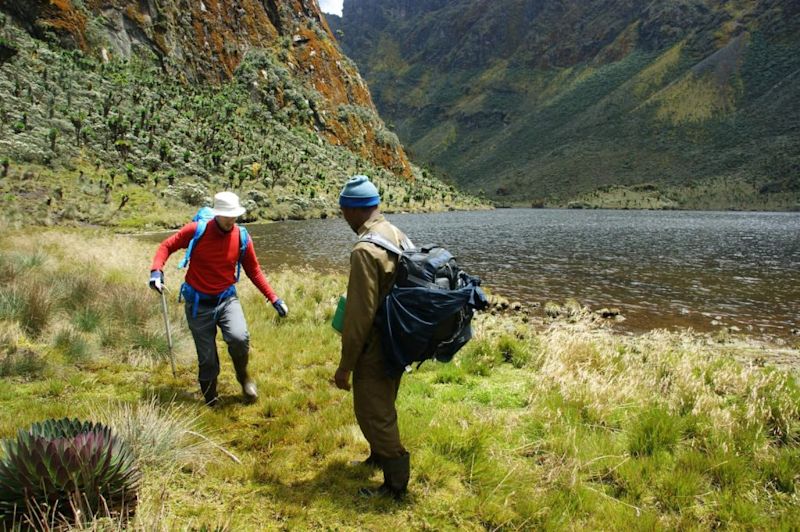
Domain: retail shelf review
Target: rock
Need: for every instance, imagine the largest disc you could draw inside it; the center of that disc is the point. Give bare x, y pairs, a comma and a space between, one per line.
796, 332
552, 310
573, 307
499, 302
716, 322
608, 313
6, 52
516, 306
734, 329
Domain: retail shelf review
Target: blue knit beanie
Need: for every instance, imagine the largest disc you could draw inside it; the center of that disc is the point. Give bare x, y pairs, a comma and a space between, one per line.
359, 192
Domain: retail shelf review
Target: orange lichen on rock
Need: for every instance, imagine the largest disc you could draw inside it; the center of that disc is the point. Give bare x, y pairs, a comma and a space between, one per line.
226, 33
360, 139
62, 16
324, 63
325, 68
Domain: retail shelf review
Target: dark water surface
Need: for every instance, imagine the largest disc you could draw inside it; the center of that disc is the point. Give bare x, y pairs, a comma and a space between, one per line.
662, 269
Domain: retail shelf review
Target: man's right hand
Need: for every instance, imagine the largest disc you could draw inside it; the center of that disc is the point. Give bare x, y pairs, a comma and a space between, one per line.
157, 281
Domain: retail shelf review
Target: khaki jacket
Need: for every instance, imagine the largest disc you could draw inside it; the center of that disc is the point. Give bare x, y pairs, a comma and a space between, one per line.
372, 272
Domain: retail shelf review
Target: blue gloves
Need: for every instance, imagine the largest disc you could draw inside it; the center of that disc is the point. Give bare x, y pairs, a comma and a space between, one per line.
281, 308
157, 281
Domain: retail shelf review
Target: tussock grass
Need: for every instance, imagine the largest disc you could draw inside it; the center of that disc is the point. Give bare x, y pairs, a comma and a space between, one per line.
163, 436
569, 426
73, 346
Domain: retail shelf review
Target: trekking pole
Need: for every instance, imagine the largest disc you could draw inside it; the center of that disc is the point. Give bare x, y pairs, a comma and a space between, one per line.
169, 334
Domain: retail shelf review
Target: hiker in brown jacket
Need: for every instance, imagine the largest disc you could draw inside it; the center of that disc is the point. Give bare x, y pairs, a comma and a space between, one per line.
372, 271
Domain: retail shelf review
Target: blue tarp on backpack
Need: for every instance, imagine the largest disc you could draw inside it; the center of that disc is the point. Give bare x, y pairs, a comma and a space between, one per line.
428, 311
408, 319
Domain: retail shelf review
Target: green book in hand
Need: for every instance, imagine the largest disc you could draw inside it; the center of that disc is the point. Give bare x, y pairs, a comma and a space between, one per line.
338, 316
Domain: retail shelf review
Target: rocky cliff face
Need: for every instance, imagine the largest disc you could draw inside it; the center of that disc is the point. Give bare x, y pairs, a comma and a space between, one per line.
205, 41
555, 98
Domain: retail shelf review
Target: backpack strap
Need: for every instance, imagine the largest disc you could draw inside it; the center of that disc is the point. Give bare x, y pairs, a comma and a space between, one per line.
198, 232
244, 238
388, 245
381, 242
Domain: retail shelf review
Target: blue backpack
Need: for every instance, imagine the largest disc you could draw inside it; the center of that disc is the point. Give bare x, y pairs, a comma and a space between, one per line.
203, 216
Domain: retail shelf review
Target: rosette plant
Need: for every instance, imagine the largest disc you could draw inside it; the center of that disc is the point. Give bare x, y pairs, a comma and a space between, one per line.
67, 467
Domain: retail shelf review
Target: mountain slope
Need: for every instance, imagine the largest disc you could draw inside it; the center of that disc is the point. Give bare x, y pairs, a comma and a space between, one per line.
119, 112
554, 101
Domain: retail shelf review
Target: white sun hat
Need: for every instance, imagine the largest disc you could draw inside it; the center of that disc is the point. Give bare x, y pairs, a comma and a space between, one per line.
227, 204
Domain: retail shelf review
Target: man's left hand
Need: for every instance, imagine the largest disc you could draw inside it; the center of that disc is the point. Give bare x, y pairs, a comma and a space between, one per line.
281, 308
342, 379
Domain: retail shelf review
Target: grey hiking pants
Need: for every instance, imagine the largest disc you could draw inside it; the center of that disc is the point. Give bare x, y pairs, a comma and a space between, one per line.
228, 316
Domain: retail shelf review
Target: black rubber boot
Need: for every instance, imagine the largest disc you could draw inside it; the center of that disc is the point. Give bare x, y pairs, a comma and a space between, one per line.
249, 390
209, 390
396, 472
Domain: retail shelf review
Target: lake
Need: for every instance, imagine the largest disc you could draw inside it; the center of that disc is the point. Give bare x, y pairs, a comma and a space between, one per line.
662, 269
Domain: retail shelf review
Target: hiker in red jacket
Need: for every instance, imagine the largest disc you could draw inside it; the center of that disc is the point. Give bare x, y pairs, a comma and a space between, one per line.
219, 249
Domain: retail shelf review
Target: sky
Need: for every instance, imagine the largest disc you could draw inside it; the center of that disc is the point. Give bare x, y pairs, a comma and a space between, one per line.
331, 6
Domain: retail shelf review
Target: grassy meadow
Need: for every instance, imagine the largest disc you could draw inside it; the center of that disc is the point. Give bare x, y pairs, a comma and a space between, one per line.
563, 425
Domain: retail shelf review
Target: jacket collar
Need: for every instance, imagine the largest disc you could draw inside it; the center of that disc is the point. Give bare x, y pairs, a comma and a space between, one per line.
374, 220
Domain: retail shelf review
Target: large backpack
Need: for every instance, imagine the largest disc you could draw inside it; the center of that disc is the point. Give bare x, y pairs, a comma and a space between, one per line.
428, 311
203, 216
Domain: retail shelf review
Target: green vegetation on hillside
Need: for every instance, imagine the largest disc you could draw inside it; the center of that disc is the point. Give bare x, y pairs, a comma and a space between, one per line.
587, 96
569, 426
123, 144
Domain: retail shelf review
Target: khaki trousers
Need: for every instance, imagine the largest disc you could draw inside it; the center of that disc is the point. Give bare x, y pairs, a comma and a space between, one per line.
374, 396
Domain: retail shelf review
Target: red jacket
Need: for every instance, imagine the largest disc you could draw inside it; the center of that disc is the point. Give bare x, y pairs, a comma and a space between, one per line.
212, 268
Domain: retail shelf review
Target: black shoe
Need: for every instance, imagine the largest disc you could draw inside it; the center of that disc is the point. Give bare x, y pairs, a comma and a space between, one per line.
209, 390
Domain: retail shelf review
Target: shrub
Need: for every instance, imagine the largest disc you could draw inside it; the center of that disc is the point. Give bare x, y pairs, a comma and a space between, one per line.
129, 307
191, 193
18, 361
514, 351
79, 291
654, 431
154, 345
11, 304
67, 466
783, 471
87, 319
478, 358
35, 306
73, 346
